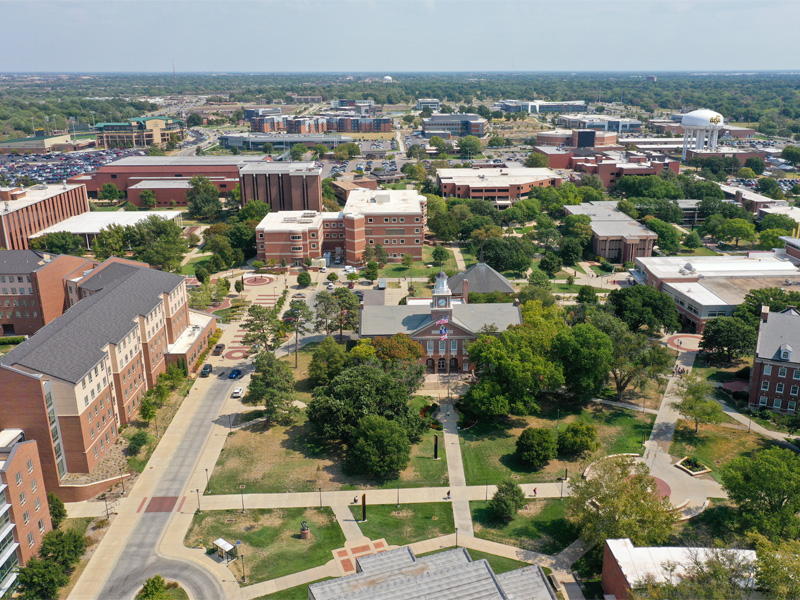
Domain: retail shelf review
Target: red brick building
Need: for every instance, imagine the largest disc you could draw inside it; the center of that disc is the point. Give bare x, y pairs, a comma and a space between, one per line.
395, 219
349, 123
171, 191
84, 374
610, 170
775, 377
284, 186
502, 186
32, 289
24, 212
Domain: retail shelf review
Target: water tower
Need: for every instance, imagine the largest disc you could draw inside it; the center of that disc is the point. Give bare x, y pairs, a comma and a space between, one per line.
701, 130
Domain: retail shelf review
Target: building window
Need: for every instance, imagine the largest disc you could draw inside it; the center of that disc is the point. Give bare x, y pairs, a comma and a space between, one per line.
442, 346
30, 533
782, 372
430, 346
796, 374
33, 485
765, 386
95, 450
779, 388
37, 504
453, 346
22, 499
794, 390
26, 517
30, 466
762, 401
767, 369
41, 525
18, 478
776, 403
792, 405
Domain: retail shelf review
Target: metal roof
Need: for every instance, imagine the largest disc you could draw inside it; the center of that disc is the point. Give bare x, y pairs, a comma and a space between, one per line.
482, 278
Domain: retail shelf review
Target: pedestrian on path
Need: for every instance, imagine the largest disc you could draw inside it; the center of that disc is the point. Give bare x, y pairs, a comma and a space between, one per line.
535, 492
448, 494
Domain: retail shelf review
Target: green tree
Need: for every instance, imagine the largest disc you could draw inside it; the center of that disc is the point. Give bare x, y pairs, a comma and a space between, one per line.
469, 146
262, 326
113, 240
64, 548
694, 403
585, 353
299, 318
332, 276
254, 210
155, 588
771, 238
272, 384
194, 120
619, 499
268, 148
746, 173
765, 486
536, 160
381, 448
728, 338
507, 500
587, 295
158, 242
58, 512
108, 191
40, 579
571, 251
147, 199
320, 150
791, 154
238, 286
756, 164
407, 260
777, 566
347, 311
303, 279
776, 298
440, 255
644, 306
147, 409
298, 151
60, 242
736, 229
577, 438
769, 187
692, 240
397, 348
327, 362
203, 198
669, 238
550, 264
536, 447
777, 221
155, 151
371, 272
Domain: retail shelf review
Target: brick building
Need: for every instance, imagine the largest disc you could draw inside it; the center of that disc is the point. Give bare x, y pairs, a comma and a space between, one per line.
171, 191
443, 325
24, 512
84, 374
456, 124
502, 186
284, 186
615, 235
395, 219
24, 212
775, 377
610, 168
341, 123
32, 289
140, 132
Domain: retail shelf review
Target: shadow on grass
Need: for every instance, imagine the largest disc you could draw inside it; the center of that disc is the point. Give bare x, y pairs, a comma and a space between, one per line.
547, 531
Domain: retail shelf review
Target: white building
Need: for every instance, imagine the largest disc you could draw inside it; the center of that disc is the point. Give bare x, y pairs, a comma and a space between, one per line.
701, 130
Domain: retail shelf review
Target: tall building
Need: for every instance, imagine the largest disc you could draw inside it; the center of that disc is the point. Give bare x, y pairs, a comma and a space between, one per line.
456, 125
139, 132
72, 385
284, 186
431, 103
24, 212
33, 290
24, 512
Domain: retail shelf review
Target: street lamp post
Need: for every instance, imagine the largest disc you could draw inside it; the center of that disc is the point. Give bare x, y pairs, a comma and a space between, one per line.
320, 497
198, 500
398, 495
241, 491
122, 479
207, 484
456, 537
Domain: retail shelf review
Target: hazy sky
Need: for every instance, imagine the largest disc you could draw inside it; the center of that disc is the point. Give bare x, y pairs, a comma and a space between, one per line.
398, 35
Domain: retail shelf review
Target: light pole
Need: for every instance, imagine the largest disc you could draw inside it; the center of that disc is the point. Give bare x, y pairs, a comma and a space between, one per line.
122, 479
241, 491
456, 537
320, 497
207, 484
398, 495
487, 491
198, 500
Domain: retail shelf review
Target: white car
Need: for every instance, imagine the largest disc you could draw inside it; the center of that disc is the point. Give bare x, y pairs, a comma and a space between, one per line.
237, 393
331, 286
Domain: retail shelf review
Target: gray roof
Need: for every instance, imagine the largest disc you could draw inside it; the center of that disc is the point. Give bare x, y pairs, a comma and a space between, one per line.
780, 332
399, 575
68, 347
19, 262
482, 279
388, 320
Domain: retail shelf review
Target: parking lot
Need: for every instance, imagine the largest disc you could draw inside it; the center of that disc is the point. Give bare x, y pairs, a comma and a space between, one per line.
57, 167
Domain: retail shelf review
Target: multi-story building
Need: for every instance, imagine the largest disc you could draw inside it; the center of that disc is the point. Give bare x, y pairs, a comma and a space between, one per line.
502, 186
601, 122
615, 235
540, 106
172, 191
284, 186
281, 141
24, 212
24, 512
456, 124
610, 166
71, 386
250, 113
341, 123
431, 103
775, 377
304, 98
362, 107
395, 219
32, 292
139, 132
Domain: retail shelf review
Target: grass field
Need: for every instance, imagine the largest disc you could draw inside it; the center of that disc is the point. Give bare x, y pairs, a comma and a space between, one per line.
540, 526
6, 348
270, 539
198, 261
715, 446
176, 593
488, 447
408, 524
236, 311
719, 372
80, 525
717, 522
418, 270
701, 251
499, 564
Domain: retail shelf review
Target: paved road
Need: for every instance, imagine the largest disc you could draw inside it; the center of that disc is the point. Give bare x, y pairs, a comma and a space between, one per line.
138, 559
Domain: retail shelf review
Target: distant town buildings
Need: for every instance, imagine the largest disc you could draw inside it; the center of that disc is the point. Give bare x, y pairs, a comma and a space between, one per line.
281, 141
304, 98
454, 125
24, 212
615, 235
341, 123
139, 132
41, 143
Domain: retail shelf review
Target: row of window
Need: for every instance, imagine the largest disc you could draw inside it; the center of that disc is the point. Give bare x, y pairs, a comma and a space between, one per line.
19, 315
779, 388
14, 279
777, 403
15, 303
782, 372
21, 291
442, 346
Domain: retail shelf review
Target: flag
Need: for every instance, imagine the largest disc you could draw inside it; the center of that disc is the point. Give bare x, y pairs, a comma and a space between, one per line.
442, 321
444, 337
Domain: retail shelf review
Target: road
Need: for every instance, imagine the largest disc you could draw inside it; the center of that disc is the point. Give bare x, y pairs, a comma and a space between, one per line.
138, 558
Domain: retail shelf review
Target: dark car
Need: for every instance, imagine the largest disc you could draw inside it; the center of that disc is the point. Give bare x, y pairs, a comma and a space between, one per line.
206, 370
218, 350
235, 374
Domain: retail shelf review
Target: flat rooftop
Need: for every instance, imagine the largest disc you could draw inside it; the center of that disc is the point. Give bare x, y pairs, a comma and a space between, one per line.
494, 177
91, 223
178, 183
365, 201
609, 221
293, 137
184, 161
291, 168
35, 194
754, 265
197, 323
289, 220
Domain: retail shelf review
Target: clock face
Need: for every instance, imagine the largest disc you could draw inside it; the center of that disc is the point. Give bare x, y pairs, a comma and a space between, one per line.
442, 301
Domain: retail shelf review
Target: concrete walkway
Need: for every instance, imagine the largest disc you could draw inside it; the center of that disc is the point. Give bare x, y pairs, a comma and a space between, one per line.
348, 523
462, 266
455, 468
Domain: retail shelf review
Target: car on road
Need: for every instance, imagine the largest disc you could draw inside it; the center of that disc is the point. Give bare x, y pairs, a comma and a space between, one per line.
330, 286
298, 295
235, 374
218, 350
237, 393
206, 370
359, 294
351, 284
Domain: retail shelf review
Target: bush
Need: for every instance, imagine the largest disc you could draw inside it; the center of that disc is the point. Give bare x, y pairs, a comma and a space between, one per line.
137, 442
536, 447
507, 500
58, 512
381, 449
304, 279
577, 438
13, 339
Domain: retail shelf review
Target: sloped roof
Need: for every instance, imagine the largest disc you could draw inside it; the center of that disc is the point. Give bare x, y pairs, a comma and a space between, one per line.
780, 332
482, 278
388, 320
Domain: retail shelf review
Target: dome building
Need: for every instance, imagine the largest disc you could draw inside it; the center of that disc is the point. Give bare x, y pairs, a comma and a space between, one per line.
701, 130
387, 79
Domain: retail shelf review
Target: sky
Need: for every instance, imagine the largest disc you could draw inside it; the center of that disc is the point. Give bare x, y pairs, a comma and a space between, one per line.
393, 36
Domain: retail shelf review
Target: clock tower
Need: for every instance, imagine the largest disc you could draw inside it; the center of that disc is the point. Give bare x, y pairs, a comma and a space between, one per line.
442, 296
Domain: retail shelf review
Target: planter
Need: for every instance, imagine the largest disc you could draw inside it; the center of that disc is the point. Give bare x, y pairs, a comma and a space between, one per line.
702, 471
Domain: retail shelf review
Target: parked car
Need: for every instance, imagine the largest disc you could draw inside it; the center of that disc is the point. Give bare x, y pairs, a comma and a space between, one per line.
237, 393
351, 284
330, 286
218, 350
207, 368
235, 374
298, 295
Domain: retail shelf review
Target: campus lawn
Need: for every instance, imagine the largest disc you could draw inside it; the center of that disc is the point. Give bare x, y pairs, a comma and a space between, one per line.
270, 539
418, 270
499, 564
488, 448
303, 387
720, 521
198, 261
719, 371
176, 593
408, 524
293, 459
540, 526
701, 251
236, 311
564, 288
714, 445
